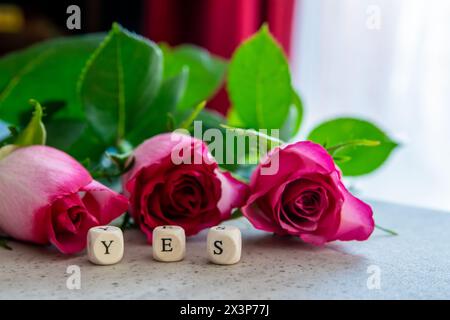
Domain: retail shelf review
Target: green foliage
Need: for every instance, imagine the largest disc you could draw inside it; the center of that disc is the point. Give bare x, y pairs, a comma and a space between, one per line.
265, 138
161, 111
359, 147
119, 83
259, 82
206, 72
102, 92
46, 72
187, 123
62, 133
294, 119
99, 91
34, 133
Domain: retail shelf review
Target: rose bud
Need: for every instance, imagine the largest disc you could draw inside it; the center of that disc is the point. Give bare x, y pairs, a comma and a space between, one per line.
305, 197
46, 196
193, 194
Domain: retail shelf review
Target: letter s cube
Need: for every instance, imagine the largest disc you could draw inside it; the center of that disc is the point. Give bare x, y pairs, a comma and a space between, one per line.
105, 245
224, 245
169, 243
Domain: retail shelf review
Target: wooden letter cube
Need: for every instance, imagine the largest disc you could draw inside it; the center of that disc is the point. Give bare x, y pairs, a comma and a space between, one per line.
169, 243
105, 245
224, 245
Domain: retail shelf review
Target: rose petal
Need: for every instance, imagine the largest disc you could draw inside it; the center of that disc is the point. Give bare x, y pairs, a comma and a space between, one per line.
315, 153
158, 148
234, 193
356, 219
32, 178
69, 240
103, 203
259, 219
294, 161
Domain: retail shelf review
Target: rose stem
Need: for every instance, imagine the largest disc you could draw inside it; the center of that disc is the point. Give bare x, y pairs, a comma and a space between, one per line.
386, 230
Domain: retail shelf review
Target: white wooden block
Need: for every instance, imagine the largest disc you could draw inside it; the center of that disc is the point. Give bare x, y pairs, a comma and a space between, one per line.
105, 245
224, 245
169, 243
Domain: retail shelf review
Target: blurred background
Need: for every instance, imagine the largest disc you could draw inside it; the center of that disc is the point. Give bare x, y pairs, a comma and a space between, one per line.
387, 61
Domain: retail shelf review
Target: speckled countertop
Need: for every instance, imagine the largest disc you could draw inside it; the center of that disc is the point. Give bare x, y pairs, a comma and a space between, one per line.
415, 264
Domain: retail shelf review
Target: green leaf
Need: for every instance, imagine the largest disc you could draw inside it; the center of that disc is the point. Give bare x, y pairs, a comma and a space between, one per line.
206, 72
270, 140
233, 119
52, 109
211, 119
88, 146
341, 159
34, 133
159, 113
170, 124
46, 72
119, 82
293, 122
366, 145
298, 114
353, 143
265, 143
186, 124
259, 82
63, 133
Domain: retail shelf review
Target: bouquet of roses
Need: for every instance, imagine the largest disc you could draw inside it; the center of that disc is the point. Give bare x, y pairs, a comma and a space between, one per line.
120, 129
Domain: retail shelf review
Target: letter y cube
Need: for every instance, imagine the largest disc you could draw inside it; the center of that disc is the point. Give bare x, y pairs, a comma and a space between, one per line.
105, 245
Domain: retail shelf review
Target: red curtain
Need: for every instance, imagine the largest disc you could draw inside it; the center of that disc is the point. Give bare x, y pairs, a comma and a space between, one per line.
217, 25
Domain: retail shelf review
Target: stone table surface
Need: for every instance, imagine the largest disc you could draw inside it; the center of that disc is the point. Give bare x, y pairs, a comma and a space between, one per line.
413, 265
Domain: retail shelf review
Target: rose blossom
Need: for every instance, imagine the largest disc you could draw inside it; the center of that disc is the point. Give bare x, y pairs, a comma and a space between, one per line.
306, 198
163, 191
48, 197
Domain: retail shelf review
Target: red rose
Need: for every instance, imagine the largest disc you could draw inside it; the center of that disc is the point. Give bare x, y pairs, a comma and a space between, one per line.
48, 197
163, 190
305, 197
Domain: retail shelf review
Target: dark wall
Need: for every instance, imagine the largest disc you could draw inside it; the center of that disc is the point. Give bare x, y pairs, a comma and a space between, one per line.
46, 19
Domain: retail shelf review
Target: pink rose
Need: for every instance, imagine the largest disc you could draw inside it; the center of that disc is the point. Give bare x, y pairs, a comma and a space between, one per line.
48, 197
306, 198
163, 191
